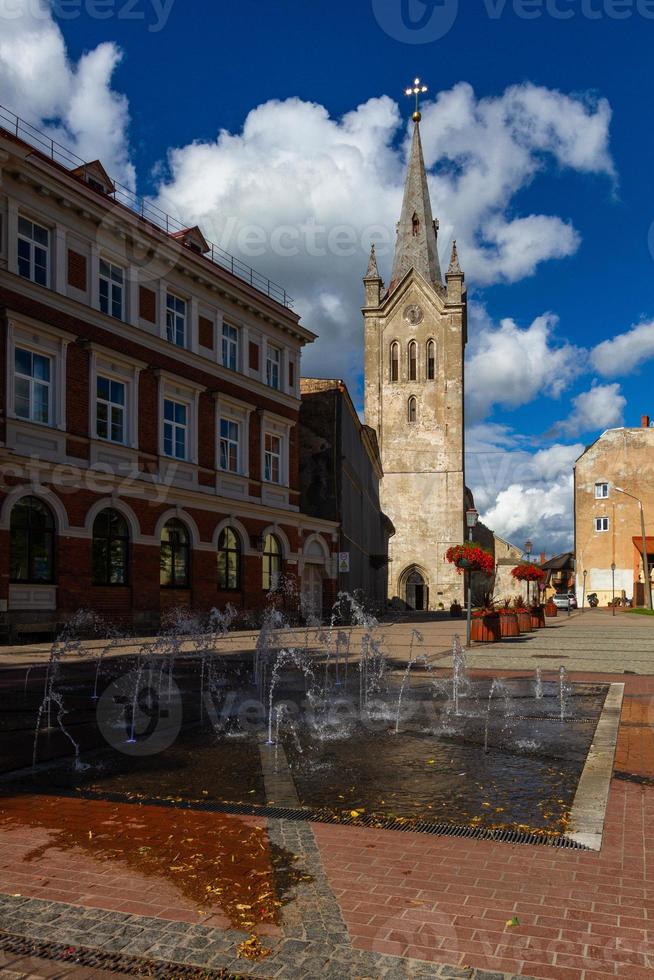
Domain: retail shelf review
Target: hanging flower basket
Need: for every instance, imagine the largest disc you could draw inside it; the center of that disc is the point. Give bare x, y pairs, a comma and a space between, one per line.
470, 557
528, 573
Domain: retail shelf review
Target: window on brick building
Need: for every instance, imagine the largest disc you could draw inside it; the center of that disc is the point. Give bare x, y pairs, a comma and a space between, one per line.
272, 458
272, 562
110, 410
413, 361
601, 523
32, 532
229, 560
176, 320
32, 386
110, 548
112, 290
431, 360
33, 251
230, 347
273, 361
601, 491
229, 445
175, 556
175, 429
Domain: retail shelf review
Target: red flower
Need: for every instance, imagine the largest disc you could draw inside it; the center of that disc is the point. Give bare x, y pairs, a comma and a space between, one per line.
472, 557
528, 573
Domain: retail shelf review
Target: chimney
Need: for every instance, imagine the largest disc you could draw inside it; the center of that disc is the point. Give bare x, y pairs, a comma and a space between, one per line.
542, 558
644, 421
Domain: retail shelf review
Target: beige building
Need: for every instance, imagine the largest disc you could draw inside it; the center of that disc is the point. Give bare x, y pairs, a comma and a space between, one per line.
415, 335
607, 523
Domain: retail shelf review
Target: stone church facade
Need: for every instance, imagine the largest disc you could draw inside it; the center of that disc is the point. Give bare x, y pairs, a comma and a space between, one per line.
415, 336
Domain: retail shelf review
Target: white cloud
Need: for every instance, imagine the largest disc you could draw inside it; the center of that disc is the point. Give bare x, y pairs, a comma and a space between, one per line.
625, 352
508, 365
300, 195
73, 102
601, 407
542, 513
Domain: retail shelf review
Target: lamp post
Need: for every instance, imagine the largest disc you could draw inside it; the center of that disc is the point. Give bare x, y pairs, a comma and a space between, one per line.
528, 547
472, 516
583, 594
646, 582
613, 587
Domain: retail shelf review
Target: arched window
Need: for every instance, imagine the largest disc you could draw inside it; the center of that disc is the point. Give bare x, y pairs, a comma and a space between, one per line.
395, 361
174, 561
413, 409
413, 361
431, 360
229, 559
110, 548
32, 542
272, 562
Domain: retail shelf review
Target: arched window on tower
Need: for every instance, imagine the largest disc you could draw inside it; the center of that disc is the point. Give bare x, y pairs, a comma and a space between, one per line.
413, 409
431, 360
413, 361
395, 361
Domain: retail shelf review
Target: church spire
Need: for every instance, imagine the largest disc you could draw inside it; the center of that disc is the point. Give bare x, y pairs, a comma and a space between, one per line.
417, 232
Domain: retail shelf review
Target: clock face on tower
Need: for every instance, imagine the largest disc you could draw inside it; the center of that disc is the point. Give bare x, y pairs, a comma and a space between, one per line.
413, 315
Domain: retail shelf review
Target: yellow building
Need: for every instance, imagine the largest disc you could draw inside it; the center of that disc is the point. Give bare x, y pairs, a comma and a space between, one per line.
613, 477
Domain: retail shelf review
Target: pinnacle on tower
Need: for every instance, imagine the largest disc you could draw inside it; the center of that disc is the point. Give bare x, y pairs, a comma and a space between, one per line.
417, 232
455, 268
373, 271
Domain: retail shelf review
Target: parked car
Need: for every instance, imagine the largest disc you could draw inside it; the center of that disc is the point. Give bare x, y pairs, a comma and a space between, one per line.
565, 600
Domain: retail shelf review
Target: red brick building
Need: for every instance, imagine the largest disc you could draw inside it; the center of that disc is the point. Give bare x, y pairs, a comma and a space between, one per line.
149, 395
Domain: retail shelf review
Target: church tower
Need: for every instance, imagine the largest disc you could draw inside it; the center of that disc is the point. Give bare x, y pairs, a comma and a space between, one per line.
415, 335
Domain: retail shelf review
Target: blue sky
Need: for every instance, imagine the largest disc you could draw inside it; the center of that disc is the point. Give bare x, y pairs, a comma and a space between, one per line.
560, 131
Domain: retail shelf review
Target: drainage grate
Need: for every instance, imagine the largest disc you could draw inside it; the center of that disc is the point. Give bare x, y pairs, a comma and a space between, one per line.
632, 777
133, 966
309, 815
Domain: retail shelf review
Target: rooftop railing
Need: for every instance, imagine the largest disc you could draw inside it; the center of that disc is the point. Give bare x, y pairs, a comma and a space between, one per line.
140, 206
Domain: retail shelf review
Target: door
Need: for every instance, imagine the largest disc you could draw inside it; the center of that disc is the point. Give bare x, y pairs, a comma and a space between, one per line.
416, 591
312, 592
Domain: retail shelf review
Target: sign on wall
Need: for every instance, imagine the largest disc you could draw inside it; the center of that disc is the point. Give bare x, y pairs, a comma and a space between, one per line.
344, 561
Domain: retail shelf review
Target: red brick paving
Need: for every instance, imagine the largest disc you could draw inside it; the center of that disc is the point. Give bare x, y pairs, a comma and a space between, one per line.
582, 915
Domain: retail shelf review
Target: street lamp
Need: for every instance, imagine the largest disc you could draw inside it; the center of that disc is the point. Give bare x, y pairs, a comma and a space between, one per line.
472, 516
583, 594
646, 581
613, 586
528, 548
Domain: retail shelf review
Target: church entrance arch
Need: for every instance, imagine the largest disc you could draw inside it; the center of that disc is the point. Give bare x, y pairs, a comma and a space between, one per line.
415, 589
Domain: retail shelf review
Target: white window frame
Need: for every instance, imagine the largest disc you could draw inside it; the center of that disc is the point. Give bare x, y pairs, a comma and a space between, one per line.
175, 427
230, 345
273, 364
171, 332
599, 491
109, 364
279, 456
229, 441
33, 336
33, 245
602, 524
112, 285
172, 388
32, 383
111, 406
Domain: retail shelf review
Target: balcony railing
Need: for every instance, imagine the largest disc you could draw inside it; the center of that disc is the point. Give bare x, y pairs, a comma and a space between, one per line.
141, 206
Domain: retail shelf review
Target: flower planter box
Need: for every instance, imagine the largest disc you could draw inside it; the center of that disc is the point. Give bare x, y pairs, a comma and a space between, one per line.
551, 610
537, 618
509, 624
486, 629
524, 621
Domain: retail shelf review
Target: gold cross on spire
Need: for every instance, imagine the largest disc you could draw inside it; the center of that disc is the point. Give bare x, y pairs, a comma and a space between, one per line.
417, 90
